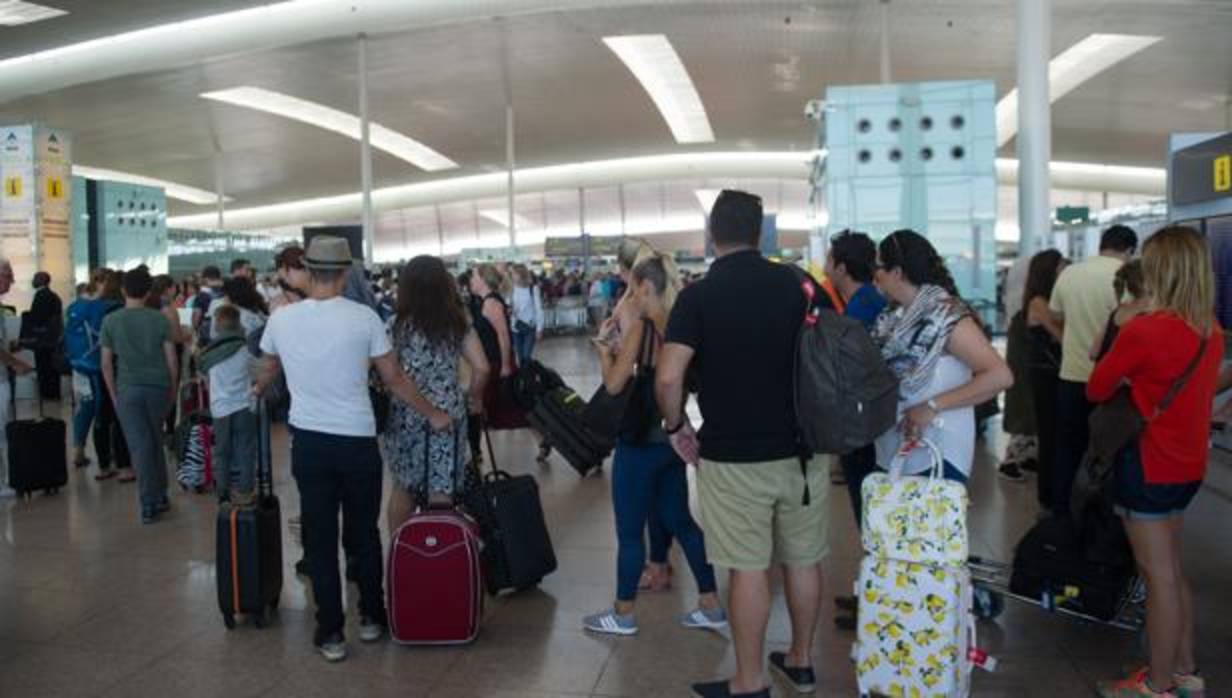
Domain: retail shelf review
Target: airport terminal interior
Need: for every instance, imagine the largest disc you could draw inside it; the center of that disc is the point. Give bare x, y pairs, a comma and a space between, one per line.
171, 138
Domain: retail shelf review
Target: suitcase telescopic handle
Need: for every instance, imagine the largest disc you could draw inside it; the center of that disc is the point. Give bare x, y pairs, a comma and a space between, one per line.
497, 473
265, 471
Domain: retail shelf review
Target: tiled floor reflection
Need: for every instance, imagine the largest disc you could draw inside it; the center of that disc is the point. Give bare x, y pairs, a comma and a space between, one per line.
94, 604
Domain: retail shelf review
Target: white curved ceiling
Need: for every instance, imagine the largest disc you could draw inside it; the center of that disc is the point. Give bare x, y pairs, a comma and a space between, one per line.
437, 70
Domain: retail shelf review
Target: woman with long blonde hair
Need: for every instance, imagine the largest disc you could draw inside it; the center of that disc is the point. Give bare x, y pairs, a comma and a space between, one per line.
1177, 342
648, 478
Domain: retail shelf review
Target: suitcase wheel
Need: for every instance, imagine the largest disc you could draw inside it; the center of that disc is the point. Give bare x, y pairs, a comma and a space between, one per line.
229, 621
987, 604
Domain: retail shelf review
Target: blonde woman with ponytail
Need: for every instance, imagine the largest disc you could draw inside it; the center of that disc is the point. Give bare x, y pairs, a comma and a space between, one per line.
633, 251
1155, 478
648, 478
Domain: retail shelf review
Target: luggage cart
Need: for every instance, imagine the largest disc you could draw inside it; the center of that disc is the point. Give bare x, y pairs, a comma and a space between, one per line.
991, 582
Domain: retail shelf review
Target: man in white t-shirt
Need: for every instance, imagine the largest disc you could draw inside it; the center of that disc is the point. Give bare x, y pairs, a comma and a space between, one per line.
326, 344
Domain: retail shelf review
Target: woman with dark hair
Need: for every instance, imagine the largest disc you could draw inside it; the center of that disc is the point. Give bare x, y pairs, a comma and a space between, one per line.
1132, 301
292, 277
108, 436
431, 333
1043, 361
240, 292
943, 360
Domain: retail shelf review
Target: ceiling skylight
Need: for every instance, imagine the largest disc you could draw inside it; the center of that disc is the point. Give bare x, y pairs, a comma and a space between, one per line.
655, 63
501, 216
330, 119
16, 12
180, 192
1072, 67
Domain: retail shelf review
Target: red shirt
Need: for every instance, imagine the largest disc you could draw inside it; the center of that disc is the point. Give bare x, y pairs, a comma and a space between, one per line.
1151, 352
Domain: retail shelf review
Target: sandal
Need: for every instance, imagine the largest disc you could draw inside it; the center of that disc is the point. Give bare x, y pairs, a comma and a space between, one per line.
655, 581
128, 476
104, 475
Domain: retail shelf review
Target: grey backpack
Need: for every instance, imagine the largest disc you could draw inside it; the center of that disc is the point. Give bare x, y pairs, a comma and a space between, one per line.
846, 395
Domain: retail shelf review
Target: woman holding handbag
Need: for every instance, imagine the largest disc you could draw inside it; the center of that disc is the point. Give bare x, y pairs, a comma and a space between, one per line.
1165, 363
647, 475
943, 360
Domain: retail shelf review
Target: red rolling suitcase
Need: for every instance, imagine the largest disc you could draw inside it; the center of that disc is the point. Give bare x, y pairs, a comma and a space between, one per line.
434, 578
434, 586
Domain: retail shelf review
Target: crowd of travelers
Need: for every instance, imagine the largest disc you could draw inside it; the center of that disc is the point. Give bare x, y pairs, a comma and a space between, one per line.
403, 370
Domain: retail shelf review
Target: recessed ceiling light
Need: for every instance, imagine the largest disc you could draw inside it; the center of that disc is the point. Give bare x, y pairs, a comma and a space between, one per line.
501, 216
330, 119
654, 62
179, 192
15, 12
706, 197
1072, 67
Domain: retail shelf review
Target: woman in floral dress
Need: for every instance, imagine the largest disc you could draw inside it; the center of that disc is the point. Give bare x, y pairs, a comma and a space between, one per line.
431, 334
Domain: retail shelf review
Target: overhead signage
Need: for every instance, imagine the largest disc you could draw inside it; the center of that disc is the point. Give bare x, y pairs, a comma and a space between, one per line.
1202, 172
52, 155
608, 246
12, 187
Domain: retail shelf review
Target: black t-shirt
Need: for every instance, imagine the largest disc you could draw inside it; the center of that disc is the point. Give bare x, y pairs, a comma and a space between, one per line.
743, 321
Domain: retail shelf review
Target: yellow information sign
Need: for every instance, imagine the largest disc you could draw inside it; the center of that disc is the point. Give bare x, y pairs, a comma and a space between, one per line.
55, 188
1223, 173
12, 187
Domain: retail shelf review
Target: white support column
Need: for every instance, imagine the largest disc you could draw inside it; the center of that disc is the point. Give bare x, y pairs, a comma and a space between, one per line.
885, 42
509, 164
440, 232
365, 150
1034, 123
220, 200
620, 192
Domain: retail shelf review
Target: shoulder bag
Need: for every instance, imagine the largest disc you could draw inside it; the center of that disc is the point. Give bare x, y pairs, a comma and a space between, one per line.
1116, 422
605, 412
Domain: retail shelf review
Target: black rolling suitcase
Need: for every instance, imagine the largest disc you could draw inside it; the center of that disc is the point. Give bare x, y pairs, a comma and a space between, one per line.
249, 559
517, 548
1050, 565
38, 457
558, 416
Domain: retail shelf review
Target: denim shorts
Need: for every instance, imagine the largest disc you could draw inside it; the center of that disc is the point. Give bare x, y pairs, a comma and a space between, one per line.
1135, 498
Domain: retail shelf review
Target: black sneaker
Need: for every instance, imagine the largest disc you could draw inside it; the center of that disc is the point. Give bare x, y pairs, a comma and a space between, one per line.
801, 678
1030, 465
1011, 472
719, 689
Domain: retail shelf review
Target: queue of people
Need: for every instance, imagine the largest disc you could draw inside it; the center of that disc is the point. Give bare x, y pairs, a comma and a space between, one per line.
447, 353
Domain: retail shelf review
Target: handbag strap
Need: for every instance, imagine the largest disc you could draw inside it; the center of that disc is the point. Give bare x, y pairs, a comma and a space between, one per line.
1179, 384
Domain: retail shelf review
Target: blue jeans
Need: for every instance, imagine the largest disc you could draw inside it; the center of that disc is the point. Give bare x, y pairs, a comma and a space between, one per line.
83, 416
523, 345
645, 479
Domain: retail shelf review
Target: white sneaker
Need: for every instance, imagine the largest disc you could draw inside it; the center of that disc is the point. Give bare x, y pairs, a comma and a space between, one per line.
611, 623
7, 492
703, 619
370, 631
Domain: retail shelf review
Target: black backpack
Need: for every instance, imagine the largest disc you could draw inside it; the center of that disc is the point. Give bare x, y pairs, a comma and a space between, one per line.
846, 395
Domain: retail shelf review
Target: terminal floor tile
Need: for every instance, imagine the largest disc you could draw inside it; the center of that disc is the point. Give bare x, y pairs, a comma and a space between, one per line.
92, 603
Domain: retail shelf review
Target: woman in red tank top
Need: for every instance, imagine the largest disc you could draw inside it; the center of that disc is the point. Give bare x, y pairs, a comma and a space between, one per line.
1155, 479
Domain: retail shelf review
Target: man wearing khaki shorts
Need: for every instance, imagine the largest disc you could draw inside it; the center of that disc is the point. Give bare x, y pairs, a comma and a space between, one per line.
761, 503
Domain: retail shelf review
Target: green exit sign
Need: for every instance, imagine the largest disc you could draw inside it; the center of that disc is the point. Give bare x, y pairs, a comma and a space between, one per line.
1073, 214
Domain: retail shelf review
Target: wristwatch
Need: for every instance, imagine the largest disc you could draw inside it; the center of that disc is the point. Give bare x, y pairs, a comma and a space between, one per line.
932, 405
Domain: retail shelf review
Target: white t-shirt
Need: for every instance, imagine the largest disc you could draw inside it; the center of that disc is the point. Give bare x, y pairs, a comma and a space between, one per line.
325, 348
231, 385
953, 432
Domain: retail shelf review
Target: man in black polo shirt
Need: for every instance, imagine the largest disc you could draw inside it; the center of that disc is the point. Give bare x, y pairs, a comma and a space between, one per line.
739, 327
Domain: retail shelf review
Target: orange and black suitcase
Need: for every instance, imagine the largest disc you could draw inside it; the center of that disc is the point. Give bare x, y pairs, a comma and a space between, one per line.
249, 561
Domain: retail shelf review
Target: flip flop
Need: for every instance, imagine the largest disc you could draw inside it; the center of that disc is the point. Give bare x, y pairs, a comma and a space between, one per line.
105, 475
128, 477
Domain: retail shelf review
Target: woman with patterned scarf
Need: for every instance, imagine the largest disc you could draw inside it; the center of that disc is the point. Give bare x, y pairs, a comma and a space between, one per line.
934, 345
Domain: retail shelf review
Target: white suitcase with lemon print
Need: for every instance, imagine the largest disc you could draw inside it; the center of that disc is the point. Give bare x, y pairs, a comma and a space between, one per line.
915, 629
